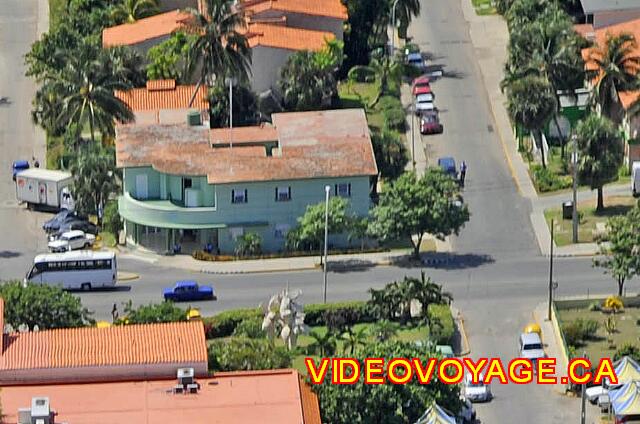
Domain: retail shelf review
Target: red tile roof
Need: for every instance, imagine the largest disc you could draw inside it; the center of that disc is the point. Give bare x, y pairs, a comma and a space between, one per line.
283, 37
243, 135
320, 144
164, 94
144, 29
274, 396
585, 30
325, 8
588, 54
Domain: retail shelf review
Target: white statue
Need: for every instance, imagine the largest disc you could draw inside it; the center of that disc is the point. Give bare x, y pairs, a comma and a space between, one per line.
285, 314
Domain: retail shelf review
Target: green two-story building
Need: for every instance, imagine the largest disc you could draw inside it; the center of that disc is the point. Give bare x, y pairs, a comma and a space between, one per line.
190, 186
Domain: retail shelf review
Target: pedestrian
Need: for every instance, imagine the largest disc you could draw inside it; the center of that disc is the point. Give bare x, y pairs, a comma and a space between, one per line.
114, 312
463, 172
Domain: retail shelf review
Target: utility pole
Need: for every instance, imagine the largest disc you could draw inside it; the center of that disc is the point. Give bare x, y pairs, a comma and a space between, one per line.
550, 274
327, 189
413, 142
231, 81
574, 214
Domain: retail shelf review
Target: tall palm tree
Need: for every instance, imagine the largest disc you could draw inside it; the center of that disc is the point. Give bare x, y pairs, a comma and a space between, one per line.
386, 70
384, 330
94, 178
129, 11
221, 48
324, 344
616, 68
85, 89
353, 339
531, 103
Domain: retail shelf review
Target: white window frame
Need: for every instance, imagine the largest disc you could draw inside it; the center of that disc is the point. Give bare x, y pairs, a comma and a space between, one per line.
283, 194
239, 196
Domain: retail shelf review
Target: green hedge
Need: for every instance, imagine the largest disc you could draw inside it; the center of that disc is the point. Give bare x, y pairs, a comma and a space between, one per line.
225, 323
442, 328
545, 180
389, 102
358, 312
394, 119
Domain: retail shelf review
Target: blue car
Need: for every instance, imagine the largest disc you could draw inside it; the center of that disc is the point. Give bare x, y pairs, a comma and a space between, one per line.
185, 291
448, 166
19, 165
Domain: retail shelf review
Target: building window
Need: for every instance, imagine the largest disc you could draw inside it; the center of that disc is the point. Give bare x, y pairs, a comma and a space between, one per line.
239, 196
281, 230
343, 190
235, 233
283, 194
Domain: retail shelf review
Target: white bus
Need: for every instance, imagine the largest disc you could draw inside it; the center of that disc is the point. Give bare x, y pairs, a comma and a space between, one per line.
75, 270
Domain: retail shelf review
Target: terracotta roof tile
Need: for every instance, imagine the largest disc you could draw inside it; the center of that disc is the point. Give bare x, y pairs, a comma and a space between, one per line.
588, 54
310, 406
144, 29
119, 345
584, 30
332, 143
326, 8
164, 94
283, 37
246, 135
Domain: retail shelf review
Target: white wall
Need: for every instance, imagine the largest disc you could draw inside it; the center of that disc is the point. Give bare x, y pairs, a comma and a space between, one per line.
266, 65
604, 19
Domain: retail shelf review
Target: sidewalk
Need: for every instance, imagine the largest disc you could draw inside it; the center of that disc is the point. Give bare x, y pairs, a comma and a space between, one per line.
413, 140
551, 343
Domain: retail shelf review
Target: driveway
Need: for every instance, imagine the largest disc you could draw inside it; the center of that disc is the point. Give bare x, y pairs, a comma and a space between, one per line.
19, 138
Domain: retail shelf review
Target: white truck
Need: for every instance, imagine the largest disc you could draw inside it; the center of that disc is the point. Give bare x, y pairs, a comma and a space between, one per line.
44, 187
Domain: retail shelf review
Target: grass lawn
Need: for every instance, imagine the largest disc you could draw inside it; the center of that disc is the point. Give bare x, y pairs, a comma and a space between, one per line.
361, 95
56, 10
614, 205
484, 7
627, 330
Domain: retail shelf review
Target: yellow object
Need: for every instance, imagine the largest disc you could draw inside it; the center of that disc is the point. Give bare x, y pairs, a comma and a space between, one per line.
533, 328
103, 324
193, 313
614, 303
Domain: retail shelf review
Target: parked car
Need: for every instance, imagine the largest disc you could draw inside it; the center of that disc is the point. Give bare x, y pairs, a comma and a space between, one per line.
424, 102
421, 89
420, 81
72, 240
467, 414
79, 224
530, 347
19, 165
416, 60
430, 123
184, 291
448, 166
59, 219
476, 392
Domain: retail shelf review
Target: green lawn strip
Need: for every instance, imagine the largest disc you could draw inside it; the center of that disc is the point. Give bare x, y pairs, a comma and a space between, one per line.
627, 330
563, 228
483, 7
56, 11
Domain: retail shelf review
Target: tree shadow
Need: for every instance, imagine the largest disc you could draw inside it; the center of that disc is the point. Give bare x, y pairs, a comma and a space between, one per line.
116, 288
453, 74
452, 261
7, 254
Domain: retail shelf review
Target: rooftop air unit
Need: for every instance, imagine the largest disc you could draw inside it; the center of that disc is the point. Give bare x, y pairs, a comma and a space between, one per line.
186, 381
40, 411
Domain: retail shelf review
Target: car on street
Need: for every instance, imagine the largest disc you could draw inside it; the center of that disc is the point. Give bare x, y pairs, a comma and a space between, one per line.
530, 347
59, 219
188, 290
424, 102
416, 60
467, 414
430, 123
76, 224
72, 240
19, 165
448, 166
476, 392
420, 81
421, 89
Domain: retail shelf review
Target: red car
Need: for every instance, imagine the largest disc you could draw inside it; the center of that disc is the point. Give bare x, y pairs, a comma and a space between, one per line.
430, 123
421, 89
421, 81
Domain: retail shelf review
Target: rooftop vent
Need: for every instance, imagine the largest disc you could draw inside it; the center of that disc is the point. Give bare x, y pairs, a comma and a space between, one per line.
40, 412
194, 118
186, 381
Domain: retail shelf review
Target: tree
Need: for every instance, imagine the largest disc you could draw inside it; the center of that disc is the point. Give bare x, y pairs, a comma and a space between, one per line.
330, 56
171, 59
152, 313
95, 178
386, 71
616, 69
221, 48
129, 11
621, 258
384, 403
522, 12
305, 85
112, 221
239, 354
324, 343
310, 229
531, 103
353, 339
43, 306
245, 105
390, 152
250, 244
358, 230
427, 293
384, 330
405, 11
413, 207
601, 153
365, 30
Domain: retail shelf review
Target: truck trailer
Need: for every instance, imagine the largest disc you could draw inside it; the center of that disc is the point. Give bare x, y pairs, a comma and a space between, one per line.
44, 188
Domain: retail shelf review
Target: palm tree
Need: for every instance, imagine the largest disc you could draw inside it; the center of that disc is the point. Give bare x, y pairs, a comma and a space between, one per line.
427, 293
531, 103
221, 47
305, 85
616, 66
601, 153
353, 339
405, 11
384, 330
386, 70
324, 343
129, 11
86, 88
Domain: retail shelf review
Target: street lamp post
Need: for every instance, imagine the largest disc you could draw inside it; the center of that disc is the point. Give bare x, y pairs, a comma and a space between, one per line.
550, 274
327, 189
393, 29
231, 82
574, 213
413, 142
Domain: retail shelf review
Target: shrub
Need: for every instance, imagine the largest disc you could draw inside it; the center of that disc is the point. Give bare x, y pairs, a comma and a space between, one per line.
353, 312
595, 306
201, 255
153, 313
249, 327
628, 349
225, 323
111, 222
545, 180
394, 119
389, 102
613, 304
240, 353
361, 73
576, 332
250, 244
441, 325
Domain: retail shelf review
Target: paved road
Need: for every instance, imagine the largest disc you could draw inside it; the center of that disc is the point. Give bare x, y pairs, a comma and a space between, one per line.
19, 138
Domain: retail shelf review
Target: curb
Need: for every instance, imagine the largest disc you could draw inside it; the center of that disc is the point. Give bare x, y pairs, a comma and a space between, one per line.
459, 319
259, 271
127, 276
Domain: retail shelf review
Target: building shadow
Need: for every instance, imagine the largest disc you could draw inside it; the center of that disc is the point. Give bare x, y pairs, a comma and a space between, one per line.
8, 254
455, 261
